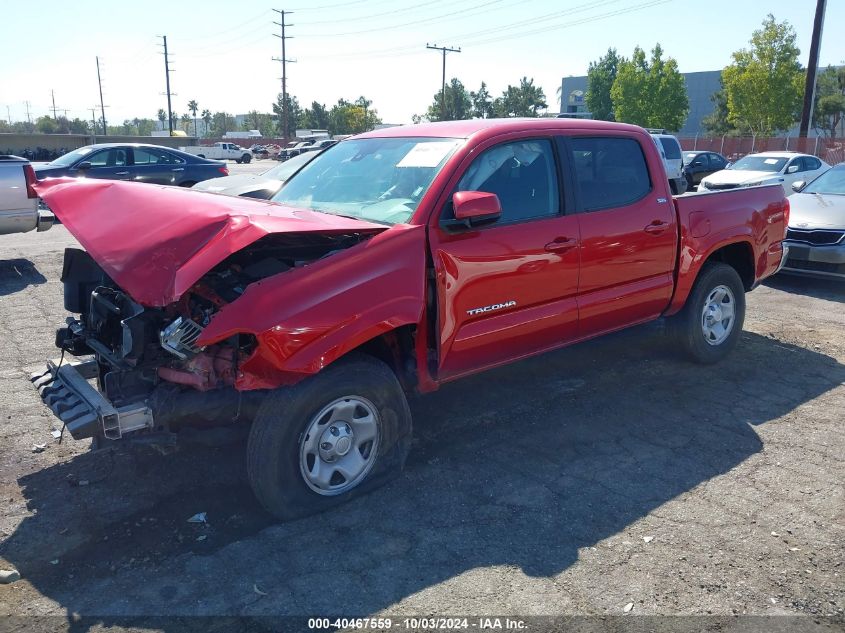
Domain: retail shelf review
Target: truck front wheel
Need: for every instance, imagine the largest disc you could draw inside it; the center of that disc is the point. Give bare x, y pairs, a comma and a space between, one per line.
710, 324
329, 438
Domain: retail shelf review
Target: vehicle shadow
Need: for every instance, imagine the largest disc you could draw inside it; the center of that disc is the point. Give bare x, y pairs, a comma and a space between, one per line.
17, 274
828, 289
522, 466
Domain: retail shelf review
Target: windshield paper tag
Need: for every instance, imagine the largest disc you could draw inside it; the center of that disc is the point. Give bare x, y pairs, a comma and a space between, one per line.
426, 154
771, 161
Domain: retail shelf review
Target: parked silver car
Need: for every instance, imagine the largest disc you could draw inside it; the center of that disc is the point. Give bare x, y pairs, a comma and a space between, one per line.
263, 186
19, 208
816, 233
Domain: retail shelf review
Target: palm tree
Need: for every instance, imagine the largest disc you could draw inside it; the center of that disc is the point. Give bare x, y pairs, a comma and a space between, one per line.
193, 107
186, 121
206, 118
161, 116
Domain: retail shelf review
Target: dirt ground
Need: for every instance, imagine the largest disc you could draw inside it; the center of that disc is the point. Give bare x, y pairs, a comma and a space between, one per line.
577, 483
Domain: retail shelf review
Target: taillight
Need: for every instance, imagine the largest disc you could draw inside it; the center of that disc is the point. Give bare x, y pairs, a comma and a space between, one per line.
29, 176
223, 170
785, 215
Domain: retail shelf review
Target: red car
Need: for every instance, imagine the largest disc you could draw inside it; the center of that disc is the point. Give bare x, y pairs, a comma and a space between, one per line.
393, 262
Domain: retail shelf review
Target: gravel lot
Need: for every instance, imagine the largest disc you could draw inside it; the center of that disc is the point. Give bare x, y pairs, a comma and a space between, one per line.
575, 483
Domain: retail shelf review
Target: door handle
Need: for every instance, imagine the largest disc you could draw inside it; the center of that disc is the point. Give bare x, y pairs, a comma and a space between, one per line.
121, 173
657, 227
179, 169
561, 245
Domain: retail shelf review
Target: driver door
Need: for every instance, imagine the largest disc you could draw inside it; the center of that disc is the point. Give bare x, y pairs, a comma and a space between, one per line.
508, 289
111, 164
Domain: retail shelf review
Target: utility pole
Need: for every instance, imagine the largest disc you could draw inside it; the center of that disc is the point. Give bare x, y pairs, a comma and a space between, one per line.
28, 117
444, 50
93, 121
285, 61
167, 82
812, 68
53, 94
9, 115
102, 107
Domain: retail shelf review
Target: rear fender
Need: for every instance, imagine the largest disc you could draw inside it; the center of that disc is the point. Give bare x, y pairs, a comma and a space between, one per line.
305, 319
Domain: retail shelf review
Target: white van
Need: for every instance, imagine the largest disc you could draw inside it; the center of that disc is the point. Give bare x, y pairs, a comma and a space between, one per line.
670, 151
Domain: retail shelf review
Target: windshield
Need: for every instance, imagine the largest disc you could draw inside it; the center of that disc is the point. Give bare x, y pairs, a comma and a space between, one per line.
759, 163
286, 169
830, 182
376, 179
66, 160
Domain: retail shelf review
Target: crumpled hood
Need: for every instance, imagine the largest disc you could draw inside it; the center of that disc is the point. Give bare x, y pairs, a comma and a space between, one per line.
822, 211
155, 241
740, 176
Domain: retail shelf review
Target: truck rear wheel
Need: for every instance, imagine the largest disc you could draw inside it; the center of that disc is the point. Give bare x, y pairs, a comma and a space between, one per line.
330, 438
246, 158
710, 324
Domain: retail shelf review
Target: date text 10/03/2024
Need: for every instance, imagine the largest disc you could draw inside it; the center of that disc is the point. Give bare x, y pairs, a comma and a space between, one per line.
414, 624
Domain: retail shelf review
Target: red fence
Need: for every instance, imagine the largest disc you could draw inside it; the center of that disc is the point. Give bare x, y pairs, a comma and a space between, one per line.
832, 151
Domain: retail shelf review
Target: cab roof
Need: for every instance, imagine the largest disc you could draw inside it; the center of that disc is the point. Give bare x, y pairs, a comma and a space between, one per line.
491, 127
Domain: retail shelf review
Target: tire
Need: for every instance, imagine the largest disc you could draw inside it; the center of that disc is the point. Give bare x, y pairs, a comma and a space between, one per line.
187, 183
286, 443
238, 161
690, 184
696, 327
246, 158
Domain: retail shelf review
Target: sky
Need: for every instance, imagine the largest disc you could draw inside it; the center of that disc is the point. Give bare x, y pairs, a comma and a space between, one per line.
222, 50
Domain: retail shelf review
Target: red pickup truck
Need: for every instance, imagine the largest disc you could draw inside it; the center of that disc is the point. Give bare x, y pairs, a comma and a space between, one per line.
393, 262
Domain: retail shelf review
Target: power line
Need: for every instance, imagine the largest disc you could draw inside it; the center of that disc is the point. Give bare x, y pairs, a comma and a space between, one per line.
284, 60
358, 18
444, 50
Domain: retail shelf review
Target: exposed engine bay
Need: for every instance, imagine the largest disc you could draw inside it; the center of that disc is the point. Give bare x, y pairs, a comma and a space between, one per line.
148, 360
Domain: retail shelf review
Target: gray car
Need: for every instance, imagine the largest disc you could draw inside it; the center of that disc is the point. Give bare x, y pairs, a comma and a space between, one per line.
816, 233
263, 186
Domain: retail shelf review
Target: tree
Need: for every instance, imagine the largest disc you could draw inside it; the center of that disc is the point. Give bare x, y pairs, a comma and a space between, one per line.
716, 122
316, 117
600, 77
294, 114
221, 122
206, 119
46, 125
764, 84
650, 92
161, 115
351, 118
194, 107
829, 109
458, 103
482, 103
526, 99
185, 120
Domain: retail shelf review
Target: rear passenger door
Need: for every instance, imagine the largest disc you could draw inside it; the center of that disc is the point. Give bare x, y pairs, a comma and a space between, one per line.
628, 232
156, 166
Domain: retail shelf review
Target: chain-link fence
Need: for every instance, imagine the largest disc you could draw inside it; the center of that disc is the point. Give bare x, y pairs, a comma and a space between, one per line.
832, 151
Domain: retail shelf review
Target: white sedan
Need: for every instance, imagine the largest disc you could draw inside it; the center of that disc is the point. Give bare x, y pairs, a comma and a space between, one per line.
766, 168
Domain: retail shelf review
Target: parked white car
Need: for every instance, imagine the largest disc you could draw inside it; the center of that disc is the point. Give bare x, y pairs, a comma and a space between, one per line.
766, 168
220, 151
19, 209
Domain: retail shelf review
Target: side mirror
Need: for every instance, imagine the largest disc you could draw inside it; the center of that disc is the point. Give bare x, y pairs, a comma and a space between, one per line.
792, 169
84, 165
473, 208
798, 185
697, 163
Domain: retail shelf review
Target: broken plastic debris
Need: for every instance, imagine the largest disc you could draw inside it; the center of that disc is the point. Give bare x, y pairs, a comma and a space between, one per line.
627, 608
775, 534
56, 433
258, 590
199, 517
8, 576
648, 539
38, 448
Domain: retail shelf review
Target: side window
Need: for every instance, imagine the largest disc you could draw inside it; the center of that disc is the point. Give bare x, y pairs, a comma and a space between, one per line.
114, 157
790, 168
611, 172
522, 175
670, 147
705, 161
716, 161
143, 157
811, 163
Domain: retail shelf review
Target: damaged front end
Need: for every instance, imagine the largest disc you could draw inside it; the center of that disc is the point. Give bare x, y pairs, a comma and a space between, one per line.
150, 370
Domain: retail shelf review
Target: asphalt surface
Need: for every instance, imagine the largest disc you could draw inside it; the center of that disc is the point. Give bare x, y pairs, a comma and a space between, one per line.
613, 473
